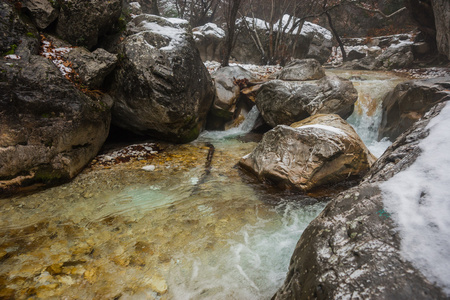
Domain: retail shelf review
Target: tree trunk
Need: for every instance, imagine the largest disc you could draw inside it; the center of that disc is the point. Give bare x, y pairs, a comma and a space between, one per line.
336, 35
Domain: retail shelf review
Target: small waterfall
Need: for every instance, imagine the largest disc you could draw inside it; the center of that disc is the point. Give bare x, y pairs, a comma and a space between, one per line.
244, 128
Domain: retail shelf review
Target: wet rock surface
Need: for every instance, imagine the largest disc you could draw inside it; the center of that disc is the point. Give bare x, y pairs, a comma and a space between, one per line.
352, 248
282, 102
323, 149
161, 87
49, 129
408, 102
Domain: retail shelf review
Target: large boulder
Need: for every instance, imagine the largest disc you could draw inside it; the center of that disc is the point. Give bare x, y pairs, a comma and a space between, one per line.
352, 250
408, 102
161, 87
441, 9
286, 102
18, 36
92, 67
323, 149
396, 56
82, 22
302, 69
209, 40
42, 12
49, 130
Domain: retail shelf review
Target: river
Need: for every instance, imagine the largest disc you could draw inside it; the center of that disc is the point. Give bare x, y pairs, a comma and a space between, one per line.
184, 228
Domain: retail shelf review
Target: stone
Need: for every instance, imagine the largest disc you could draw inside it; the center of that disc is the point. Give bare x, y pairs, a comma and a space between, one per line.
161, 87
283, 102
302, 69
227, 95
49, 130
92, 67
421, 48
42, 12
441, 9
209, 40
18, 35
354, 54
396, 56
408, 102
83, 22
322, 149
352, 249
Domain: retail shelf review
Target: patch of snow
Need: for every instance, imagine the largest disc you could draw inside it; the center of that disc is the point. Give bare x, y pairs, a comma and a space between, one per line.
175, 34
418, 200
288, 21
135, 5
259, 71
12, 56
324, 127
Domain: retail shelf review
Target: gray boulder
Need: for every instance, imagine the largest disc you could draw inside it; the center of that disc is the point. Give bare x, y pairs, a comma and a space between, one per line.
286, 102
209, 40
322, 149
352, 249
42, 12
49, 130
227, 92
161, 87
408, 102
302, 69
82, 22
441, 9
92, 67
18, 36
396, 56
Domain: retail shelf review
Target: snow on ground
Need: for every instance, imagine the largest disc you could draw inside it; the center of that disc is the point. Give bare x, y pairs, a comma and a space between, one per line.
55, 55
418, 200
424, 72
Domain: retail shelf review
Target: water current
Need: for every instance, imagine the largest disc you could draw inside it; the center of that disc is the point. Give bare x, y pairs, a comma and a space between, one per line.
176, 231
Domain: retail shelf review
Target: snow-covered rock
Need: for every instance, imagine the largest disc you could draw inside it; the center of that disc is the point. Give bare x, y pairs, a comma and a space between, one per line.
209, 39
358, 248
322, 149
161, 87
286, 102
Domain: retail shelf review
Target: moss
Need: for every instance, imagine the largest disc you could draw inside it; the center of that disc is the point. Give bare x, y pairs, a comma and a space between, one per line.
47, 175
30, 34
190, 136
12, 50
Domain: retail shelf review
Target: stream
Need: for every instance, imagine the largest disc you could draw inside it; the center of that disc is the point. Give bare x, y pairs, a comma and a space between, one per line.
191, 226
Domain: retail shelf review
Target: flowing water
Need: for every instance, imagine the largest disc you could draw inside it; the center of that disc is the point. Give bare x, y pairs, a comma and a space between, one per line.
188, 229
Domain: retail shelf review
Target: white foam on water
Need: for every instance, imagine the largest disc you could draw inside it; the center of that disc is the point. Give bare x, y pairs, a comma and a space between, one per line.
252, 266
244, 128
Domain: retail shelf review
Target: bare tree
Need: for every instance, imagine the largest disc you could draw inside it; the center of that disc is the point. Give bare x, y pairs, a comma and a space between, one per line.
197, 12
230, 9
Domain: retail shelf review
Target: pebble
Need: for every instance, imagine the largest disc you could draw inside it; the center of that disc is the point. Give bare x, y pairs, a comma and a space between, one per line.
149, 168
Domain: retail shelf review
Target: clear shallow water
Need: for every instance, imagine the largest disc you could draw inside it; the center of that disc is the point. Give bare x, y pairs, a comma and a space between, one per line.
178, 232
